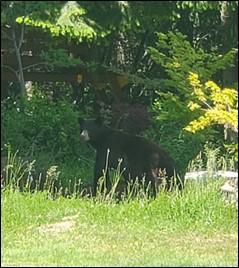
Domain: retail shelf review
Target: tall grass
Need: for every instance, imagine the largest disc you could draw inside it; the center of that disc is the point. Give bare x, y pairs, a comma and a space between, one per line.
210, 160
18, 176
193, 227
18, 173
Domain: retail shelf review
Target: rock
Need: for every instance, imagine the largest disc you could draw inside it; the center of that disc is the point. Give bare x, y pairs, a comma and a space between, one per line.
230, 190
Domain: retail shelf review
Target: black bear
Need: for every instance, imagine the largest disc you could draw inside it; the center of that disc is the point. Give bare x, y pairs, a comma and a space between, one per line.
140, 157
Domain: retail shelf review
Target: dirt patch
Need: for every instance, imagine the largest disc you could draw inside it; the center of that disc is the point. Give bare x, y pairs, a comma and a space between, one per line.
67, 224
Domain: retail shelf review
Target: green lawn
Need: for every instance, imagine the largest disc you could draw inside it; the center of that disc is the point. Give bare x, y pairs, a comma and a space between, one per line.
193, 229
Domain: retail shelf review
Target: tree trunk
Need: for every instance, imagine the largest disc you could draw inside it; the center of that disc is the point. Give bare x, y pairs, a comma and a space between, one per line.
229, 28
19, 62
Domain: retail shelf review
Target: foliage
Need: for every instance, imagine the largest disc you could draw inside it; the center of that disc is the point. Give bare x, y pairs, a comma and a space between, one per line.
59, 20
177, 57
11, 9
214, 105
219, 106
209, 24
119, 43
182, 147
41, 125
47, 131
58, 58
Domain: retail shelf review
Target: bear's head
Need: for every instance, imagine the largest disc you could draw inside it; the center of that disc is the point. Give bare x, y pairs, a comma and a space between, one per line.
90, 129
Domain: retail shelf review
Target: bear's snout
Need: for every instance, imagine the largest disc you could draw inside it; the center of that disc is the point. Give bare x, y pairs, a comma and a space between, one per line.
84, 135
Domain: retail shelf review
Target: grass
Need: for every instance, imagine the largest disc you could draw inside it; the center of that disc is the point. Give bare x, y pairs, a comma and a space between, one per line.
195, 228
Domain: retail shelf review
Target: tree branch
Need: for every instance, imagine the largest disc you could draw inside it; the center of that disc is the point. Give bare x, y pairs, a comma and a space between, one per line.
10, 69
21, 36
7, 36
19, 61
141, 47
34, 65
22, 28
204, 102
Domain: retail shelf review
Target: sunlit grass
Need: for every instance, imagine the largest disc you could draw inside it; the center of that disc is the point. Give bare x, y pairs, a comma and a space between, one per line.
193, 227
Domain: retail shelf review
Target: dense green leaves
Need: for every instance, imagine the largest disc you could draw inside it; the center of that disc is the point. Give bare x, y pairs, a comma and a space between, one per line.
59, 58
175, 100
67, 20
155, 44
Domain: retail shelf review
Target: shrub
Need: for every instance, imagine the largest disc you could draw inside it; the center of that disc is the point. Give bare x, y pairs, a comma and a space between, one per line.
177, 58
46, 131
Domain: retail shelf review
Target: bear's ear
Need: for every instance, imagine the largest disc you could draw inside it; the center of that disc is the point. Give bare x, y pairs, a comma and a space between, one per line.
80, 121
